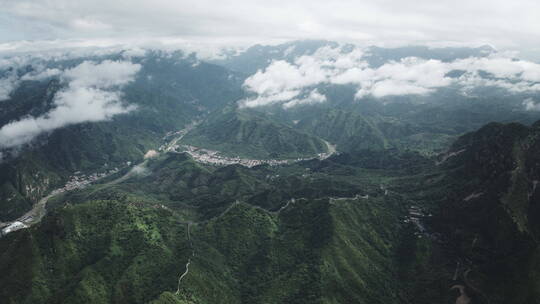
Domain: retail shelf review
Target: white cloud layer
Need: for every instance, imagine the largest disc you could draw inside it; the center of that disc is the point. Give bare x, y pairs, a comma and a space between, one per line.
498, 22
313, 97
7, 85
531, 105
91, 95
283, 82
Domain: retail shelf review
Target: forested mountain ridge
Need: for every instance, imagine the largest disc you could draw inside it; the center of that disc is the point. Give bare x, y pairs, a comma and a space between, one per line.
233, 181
331, 219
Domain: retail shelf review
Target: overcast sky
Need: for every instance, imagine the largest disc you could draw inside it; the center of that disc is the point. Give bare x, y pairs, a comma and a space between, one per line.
508, 24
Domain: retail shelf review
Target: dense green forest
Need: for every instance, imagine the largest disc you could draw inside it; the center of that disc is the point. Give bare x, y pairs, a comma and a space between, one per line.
425, 199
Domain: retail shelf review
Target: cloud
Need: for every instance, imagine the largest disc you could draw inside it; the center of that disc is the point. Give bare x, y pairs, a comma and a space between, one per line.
391, 87
41, 74
502, 23
14, 68
313, 97
7, 85
409, 76
133, 53
17, 53
531, 105
281, 75
91, 95
9, 79
284, 82
106, 74
501, 67
265, 100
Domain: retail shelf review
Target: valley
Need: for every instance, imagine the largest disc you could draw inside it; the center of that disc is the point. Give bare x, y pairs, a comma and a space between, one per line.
273, 175
38, 211
207, 156
215, 158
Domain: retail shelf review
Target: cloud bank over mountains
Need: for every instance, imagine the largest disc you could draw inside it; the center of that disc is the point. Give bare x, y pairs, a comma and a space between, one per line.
92, 90
283, 82
505, 24
7, 85
531, 105
92, 94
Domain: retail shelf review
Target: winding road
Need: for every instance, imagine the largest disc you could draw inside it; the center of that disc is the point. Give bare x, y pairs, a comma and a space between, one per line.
34, 215
463, 297
189, 259
474, 288
38, 211
182, 276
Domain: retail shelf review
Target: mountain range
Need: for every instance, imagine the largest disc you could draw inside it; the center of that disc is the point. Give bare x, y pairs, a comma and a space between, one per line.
306, 172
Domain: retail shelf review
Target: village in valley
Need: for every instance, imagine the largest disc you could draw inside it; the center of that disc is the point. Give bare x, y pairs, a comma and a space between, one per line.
76, 181
206, 156
213, 157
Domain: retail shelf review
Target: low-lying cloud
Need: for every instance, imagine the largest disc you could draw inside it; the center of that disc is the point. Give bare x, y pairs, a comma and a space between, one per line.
531, 105
284, 82
7, 85
509, 24
92, 94
313, 97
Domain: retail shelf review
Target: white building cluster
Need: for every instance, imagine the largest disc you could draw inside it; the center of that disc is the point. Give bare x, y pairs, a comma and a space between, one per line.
77, 181
80, 181
415, 216
13, 227
213, 157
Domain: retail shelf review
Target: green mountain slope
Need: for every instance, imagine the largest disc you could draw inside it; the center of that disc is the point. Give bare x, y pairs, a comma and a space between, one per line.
248, 134
169, 92
355, 228
384, 221
99, 252
98, 243
350, 131
484, 201
258, 57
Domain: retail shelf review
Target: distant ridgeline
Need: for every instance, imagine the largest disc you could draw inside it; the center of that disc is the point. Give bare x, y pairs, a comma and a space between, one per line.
426, 199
